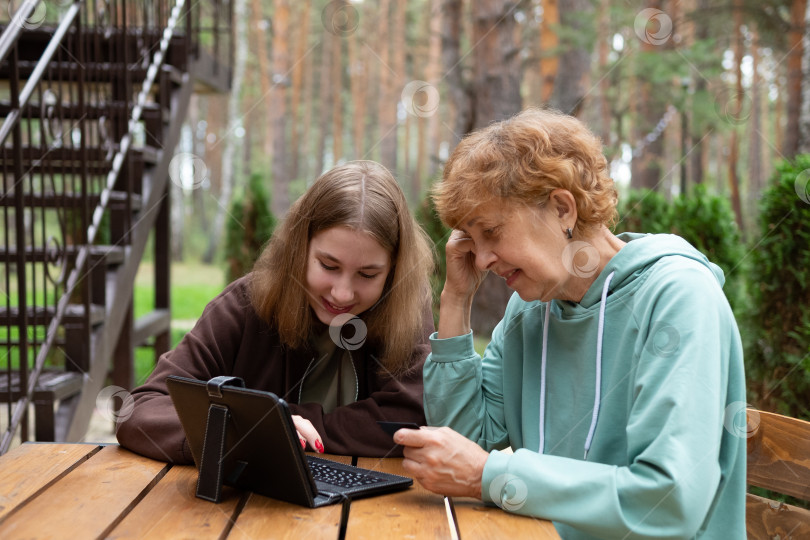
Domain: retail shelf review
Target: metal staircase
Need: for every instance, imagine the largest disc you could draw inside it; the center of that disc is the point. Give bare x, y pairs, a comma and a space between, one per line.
92, 98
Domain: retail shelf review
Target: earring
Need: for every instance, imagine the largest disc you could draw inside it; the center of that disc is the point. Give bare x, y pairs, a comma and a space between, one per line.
568, 233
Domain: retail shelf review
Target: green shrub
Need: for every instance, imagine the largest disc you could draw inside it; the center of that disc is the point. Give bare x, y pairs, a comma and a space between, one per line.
704, 220
249, 227
778, 328
646, 211
427, 217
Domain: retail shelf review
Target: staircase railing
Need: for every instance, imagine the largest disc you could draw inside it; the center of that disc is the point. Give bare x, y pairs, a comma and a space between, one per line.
70, 180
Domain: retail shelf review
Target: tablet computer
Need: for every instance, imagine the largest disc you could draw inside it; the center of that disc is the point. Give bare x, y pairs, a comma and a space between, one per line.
246, 438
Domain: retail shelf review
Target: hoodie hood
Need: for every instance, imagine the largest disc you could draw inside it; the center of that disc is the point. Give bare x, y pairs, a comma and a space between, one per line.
631, 262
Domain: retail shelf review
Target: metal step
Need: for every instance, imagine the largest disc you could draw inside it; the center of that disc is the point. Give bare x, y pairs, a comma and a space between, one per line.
96, 72
102, 43
153, 323
55, 384
52, 386
42, 316
118, 200
67, 160
108, 255
67, 111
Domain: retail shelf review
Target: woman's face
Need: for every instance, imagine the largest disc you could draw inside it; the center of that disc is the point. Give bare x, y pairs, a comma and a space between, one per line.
346, 272
523, 244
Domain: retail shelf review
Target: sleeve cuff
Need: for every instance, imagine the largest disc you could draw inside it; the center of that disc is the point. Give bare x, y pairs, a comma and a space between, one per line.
493, 480
451, 349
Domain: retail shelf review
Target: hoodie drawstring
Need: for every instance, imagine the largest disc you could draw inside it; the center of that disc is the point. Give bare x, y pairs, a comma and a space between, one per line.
598, 385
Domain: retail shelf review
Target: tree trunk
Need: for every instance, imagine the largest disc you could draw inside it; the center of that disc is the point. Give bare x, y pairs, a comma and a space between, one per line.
497, 97
305, 152
459, 94
698, 154
387, 103
370, 143
779, 109
804, 120
605, 36
646, 165
433, 75
358, 81
231, 147
397, 85
734, 145
324, 98
217, 119
298, 71
648, 159
337, 101
755, 163
549, 55
496, 61
794, 77
278, 107
178, 194
265, 77
200, 218
570, 84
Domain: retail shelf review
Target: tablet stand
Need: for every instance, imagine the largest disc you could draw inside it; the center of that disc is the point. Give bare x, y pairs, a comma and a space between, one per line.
209, 481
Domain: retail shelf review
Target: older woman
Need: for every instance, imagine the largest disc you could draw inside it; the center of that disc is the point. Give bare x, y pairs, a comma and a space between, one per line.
613, 368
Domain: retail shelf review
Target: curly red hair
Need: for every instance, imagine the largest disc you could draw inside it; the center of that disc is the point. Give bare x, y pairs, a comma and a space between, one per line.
523, 159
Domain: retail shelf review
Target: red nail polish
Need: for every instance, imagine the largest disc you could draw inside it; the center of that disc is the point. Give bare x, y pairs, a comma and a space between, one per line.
303, 443
319, 447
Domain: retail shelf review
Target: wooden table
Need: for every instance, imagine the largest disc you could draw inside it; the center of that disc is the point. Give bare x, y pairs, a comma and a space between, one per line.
51, 490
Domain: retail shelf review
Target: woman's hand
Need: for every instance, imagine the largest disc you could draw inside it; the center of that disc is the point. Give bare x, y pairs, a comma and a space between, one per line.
307, 433
463, 279
443, 461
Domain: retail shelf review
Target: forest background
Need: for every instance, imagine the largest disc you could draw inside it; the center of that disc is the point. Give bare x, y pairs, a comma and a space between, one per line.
703, 107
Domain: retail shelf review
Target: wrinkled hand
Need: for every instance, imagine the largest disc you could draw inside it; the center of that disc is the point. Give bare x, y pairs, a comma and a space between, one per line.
307, 433
463, 277
443, 461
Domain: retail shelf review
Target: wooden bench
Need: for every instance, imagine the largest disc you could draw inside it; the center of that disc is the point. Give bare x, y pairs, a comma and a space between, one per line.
778, 460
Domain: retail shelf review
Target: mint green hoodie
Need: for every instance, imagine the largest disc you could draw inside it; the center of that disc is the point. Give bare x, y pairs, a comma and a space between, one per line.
667, 457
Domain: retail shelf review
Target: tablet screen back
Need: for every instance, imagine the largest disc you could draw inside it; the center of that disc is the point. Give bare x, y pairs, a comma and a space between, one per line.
261, 451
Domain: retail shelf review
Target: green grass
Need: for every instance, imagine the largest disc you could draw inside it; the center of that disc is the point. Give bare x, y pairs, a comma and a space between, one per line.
480, 343
145, 357
192, 287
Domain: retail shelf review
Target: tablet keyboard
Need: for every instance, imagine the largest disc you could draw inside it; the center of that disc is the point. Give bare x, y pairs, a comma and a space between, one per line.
335, 476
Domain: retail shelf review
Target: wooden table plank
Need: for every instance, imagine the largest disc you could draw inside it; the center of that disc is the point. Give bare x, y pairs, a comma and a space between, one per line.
476, 520
29, 467
263, 517
88, 500
172, 510
413, 513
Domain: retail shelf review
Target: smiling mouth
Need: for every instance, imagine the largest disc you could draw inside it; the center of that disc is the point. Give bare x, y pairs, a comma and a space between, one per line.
333, 309
510, 277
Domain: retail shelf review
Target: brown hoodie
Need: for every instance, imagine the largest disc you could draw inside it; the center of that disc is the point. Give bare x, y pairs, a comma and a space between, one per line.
230, 339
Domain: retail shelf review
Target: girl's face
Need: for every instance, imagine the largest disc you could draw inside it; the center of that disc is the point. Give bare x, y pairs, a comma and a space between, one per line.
346, 272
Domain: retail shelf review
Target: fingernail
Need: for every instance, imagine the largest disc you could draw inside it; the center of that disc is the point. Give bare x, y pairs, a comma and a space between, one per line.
319, 447
303, 443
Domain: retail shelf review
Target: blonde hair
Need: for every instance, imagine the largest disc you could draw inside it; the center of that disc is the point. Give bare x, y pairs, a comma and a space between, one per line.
523, 159
364, 196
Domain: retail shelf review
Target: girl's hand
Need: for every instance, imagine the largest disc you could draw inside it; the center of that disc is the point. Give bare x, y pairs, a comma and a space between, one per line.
307, 433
